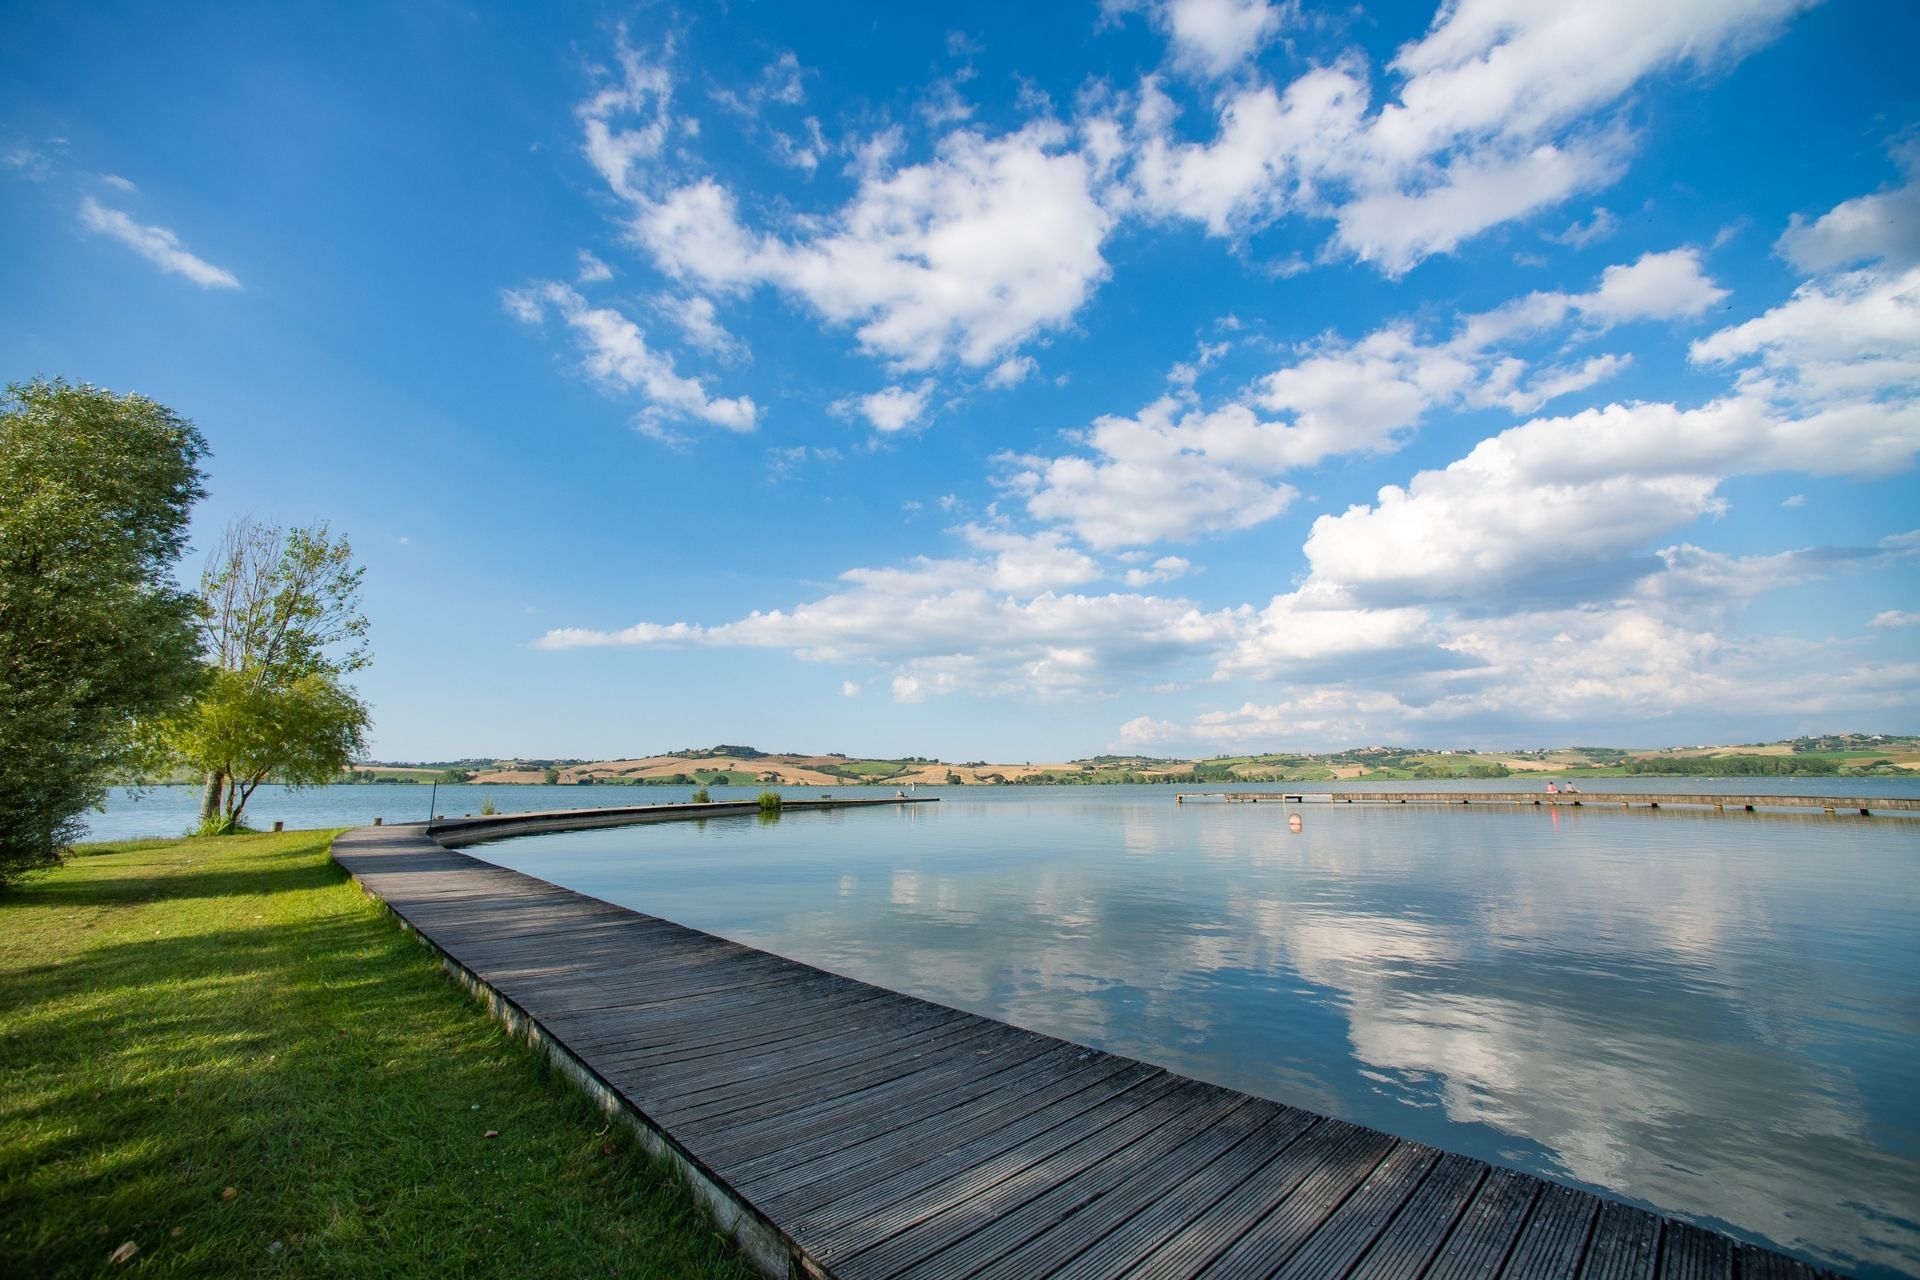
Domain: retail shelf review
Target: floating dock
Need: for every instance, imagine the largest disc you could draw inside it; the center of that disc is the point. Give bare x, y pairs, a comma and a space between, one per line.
837, 1129
1863, 805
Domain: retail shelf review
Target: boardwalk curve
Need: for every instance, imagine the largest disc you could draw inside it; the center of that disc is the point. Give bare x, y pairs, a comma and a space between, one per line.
839, 1129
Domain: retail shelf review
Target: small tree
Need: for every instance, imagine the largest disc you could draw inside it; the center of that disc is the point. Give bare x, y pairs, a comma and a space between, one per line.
95, 491
247, 731
280, 626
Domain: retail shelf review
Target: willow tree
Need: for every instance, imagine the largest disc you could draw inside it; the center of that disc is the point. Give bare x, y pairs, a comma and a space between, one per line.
281, 628
95, 493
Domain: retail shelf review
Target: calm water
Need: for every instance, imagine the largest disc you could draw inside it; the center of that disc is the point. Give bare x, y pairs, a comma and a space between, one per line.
1719, 1017
1715, 1016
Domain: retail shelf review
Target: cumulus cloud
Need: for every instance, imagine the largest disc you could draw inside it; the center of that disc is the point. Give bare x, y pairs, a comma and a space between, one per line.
1176, 471
157, 245
1850, 343
1165, 569
1537, 559
1883, 227
1891, 618
891, 408
1213, 37
1502, 109
617, 354
1002, 621
962, 257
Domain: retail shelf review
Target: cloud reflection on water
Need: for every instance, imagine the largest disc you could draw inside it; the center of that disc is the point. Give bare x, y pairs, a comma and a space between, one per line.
1711, 1015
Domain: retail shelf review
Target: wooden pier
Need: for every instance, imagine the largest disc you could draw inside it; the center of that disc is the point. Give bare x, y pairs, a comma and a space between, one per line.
839, 1129
1862, 805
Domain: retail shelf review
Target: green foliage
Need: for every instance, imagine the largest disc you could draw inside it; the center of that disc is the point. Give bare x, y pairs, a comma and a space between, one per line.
1733, 766
1437, 770
550, 775
297, 732
701, 797
487, 807
770, 802
95, 491
280, 627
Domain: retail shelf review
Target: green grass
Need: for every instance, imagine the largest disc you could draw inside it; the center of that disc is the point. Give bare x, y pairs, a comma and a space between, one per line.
873, 768
179, 1017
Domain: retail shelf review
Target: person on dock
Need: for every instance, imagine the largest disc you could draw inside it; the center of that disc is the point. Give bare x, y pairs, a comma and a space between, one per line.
1552, 789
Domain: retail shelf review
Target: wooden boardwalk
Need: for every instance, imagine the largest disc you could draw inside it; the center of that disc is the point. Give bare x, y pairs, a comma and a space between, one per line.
868, 1134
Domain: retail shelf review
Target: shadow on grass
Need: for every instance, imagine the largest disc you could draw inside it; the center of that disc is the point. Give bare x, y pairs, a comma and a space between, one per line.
314, 1059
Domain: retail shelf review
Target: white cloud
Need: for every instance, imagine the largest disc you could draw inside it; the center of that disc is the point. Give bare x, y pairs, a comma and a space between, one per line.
1214, 37
27, 162
1011, 372
1395, 226
1165, 569
1892, 618
1579, 235
699, 323
592, 270
891, 408
850, 689
1174, 471
995, 623
1503, 108
617, 354
157, 245
118, 183
1160, 475
1848, 341
1145, 731
1794, 500
1657, 287
1883, 227
962, 257
643, 91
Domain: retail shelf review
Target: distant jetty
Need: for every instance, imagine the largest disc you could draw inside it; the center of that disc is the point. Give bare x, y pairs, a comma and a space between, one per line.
1865, 806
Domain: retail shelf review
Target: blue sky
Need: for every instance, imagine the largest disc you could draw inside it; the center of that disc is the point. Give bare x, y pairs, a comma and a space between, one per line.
1024, 382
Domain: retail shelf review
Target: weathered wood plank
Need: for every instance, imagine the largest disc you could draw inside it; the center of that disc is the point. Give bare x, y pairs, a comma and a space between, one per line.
809, 1143
890, 1207
801, 1187
1350, 1230
1193, 1248
1207, 1157
1169, 1212
969, 1236
1268, 1244
879, 1135
1626, 1244
1689, 1253
1487, 1230
1423, 1224
1555, 1237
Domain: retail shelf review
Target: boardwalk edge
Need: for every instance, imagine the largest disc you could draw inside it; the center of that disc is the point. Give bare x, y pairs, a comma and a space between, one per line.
765, 1245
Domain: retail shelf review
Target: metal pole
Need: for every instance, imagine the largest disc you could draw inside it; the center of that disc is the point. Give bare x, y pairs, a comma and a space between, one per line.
433, 802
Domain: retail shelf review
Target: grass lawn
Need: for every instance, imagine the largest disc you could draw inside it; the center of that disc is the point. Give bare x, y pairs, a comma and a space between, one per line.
220, 1051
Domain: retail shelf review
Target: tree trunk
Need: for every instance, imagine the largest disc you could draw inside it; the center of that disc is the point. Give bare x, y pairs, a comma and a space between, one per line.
211, 796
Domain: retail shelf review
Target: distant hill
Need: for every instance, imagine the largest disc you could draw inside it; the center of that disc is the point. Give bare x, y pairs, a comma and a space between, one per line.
1853, 755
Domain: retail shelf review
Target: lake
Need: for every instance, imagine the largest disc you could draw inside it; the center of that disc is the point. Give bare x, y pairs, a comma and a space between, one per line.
1716, 1016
